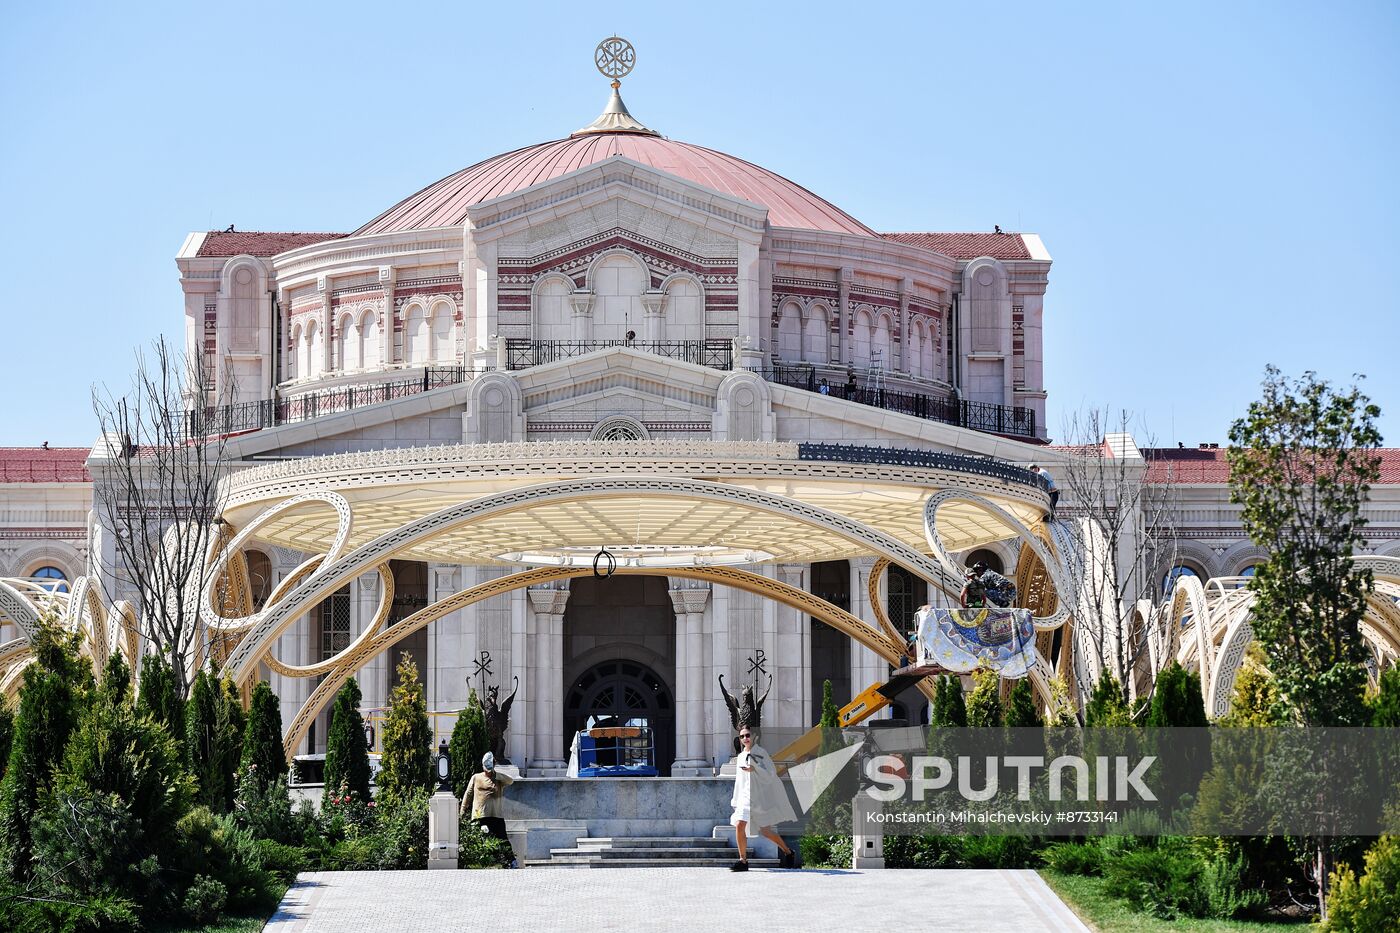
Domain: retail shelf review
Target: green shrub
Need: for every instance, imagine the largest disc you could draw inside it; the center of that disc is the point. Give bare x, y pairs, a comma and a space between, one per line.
102, 914
214, 740
1074, 858
347, 758
479, 849
1107, 706
949, 709
1372, 901
7, 733
204, 900
997, 851
91, 844
283, 861
357, 854
402, 832
214, 846
1176, 699
825, 851
1021, 711
1227, 893
263, 810
930, 851
1163, 880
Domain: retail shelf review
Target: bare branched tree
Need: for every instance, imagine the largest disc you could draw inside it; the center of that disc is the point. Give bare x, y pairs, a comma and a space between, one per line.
1127, 532
157, 496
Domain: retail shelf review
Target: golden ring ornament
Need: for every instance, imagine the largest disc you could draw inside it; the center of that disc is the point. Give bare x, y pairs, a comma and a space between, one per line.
615, 57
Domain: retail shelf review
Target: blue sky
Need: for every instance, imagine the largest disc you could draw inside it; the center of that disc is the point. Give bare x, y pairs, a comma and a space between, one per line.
1217, 183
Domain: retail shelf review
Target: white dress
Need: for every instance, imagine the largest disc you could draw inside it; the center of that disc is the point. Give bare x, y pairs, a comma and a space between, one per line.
759, 798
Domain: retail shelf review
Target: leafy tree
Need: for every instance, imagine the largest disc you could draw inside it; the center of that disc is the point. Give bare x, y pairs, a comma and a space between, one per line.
213, 739
159, 698
984, 703
407, 765
262, 737
1371, 902
347, 757
1020, 706
56, 688
1176, 700
1107, 706
1062, 714
468, 744
1385, 705
1302, 461
949, 708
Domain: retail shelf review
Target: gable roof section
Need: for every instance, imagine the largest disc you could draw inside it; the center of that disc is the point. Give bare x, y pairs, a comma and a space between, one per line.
967, 245
44, 465
1209, 465
222, 243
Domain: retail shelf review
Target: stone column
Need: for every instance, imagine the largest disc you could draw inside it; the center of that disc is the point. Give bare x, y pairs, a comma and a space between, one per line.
904, 363
546, 700
364, 599
843, 315
323, 285
582, 303
389, 319
792, 682
689, 599
867, 667
654, 303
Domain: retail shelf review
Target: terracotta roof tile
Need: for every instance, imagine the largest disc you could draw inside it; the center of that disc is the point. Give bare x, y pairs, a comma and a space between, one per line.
37, 465
967, 245
1208, 465
257, 243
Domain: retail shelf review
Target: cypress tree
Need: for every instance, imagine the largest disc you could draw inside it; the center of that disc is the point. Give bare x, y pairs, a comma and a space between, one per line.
159, 697
468, 744
7, 734
823, 816
1176, 699
262, 737
1255, 701
347, 756
407, 765
984, 705
213, 736
1020, 706
949, 707
1107, 705
55, 691
116, 679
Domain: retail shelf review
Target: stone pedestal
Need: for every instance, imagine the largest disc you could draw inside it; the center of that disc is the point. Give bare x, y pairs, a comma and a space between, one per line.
867, 838
442, 830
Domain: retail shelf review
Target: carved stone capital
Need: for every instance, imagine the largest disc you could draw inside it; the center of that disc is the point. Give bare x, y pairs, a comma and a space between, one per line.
689, 599
548, 600
654, 300
582, 301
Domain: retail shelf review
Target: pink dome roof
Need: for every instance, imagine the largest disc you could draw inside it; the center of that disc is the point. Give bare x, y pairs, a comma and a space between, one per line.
445, 203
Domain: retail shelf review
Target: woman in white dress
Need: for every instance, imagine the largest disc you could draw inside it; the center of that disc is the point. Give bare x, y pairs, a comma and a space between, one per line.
758, 801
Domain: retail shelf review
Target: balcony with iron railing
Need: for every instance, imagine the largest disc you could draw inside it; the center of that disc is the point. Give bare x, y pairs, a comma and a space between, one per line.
523, 353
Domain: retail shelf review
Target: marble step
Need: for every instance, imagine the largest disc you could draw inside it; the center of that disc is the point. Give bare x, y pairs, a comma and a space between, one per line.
648, 842
592, 861
657, 852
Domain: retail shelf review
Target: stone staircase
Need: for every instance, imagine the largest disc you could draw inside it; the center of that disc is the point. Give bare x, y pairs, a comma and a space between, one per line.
649, 852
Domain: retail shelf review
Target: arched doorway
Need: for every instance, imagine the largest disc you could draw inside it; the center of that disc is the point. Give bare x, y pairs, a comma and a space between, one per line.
621, 693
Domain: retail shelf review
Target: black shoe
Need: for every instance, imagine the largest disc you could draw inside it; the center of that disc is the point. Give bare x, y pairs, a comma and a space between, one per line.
787, 859
741, 865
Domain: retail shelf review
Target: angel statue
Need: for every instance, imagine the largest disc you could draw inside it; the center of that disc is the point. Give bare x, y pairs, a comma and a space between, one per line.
745, 713
498, 719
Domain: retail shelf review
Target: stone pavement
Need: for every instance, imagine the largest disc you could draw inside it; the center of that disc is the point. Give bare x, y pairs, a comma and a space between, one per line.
645, 899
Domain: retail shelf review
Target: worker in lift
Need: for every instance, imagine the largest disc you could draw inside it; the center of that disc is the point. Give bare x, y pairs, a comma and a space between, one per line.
983, 587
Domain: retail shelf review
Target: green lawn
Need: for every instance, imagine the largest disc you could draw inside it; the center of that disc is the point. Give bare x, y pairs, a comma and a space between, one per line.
1101, 912
251, 923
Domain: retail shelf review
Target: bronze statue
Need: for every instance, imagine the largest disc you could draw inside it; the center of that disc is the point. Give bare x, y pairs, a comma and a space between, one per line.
748, 713
498, 719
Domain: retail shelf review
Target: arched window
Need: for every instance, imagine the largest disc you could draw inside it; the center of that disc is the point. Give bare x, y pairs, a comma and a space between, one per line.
685, 310
416, 336
816, 335
914, 349
295, 359
369, 340
315, 350
443, 349
618, 282
790, 331
905, 593
553, 316
259, 577
864, 334
1247, 571
984, 556
1176, 573
883, 348
928, 352
347, 344
52, 578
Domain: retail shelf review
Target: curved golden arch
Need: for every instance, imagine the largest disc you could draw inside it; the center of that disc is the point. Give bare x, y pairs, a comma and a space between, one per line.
818, 608
331, 575
381, 614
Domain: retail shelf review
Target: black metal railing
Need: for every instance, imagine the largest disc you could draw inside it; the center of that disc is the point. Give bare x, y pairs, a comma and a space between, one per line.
268, 413
522, 353
979, 416
925, 459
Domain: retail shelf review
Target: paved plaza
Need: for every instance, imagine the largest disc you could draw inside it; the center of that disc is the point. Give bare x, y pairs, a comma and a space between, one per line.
642, 899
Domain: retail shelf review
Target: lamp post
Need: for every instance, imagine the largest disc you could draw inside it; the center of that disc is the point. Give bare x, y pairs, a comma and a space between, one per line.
444, 767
